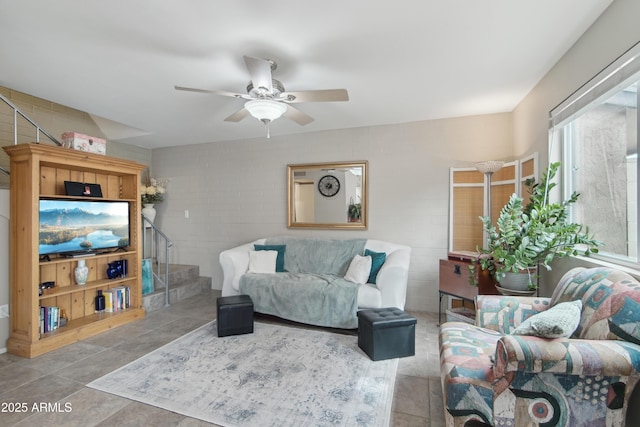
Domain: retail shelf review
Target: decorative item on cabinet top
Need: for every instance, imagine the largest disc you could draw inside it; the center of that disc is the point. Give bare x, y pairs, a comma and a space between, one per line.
82, 142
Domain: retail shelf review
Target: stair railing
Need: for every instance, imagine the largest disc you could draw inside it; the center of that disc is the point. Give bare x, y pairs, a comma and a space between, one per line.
159, 241
39, 130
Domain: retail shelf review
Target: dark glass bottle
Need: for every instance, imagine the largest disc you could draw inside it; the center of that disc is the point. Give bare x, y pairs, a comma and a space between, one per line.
99, 301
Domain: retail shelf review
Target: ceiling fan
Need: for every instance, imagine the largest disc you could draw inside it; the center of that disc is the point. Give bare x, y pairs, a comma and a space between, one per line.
267, 99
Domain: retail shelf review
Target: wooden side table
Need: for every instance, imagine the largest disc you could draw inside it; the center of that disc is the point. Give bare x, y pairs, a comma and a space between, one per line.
454, 279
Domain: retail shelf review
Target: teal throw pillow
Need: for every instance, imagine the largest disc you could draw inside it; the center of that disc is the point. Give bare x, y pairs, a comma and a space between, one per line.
377, 259
279, 259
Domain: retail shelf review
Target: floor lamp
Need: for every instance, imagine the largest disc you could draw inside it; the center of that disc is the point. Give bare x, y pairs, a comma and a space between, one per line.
488, 168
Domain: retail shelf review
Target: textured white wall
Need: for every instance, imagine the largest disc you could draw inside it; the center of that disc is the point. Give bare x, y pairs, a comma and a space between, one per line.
235, 191
613, 33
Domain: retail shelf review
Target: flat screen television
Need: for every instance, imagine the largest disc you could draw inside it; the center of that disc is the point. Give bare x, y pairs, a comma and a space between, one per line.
72, 227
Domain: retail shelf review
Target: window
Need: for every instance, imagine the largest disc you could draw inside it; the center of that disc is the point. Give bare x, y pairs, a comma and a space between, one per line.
597, 133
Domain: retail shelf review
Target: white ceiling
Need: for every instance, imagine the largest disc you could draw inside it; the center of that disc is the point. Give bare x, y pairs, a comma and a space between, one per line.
401, 61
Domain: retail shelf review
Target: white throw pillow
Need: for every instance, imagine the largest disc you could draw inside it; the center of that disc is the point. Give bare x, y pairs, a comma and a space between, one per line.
559, 321
359, 269
262, 262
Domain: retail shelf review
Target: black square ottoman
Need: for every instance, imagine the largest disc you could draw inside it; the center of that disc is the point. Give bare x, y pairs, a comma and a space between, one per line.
386, 333
235, 315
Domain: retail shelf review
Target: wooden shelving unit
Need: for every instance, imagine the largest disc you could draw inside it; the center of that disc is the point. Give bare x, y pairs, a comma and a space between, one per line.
39, 171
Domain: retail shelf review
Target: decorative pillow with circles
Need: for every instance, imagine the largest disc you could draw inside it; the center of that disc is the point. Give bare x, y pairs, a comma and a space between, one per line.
559, 321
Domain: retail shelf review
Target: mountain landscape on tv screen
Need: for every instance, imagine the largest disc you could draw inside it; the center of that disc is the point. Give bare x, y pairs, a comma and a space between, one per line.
74, 230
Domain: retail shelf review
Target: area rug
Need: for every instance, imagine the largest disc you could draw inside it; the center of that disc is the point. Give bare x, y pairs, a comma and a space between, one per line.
277, 376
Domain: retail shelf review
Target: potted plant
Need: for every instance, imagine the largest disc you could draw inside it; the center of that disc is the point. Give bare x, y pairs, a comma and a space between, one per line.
354, 211
528, 236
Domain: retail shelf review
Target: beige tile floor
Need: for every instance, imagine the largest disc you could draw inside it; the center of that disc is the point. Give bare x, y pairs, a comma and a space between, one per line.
60, 376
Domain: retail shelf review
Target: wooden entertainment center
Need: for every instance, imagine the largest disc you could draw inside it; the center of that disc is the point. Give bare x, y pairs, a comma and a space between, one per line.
39, 171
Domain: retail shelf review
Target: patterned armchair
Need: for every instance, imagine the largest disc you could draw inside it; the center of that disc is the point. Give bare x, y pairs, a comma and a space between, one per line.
492, 377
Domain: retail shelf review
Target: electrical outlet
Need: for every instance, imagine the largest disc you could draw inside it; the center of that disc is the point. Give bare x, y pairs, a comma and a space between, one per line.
4, 311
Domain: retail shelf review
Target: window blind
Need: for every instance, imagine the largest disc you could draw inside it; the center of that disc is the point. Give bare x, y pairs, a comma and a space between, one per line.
619, 74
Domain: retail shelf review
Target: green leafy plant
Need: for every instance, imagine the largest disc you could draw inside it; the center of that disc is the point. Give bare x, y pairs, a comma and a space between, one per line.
354, 211
532, 235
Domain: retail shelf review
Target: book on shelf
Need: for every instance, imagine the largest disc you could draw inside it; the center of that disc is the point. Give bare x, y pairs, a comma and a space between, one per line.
116, 299
121, 297
117, 293
108, 301
49, 319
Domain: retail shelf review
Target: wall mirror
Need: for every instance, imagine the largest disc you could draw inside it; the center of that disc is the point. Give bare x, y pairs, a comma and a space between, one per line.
327, 195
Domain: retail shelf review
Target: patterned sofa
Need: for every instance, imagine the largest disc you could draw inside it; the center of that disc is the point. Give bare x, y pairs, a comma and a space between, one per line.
491, 376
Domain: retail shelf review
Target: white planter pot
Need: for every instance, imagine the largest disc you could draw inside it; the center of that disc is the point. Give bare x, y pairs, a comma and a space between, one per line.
519, 281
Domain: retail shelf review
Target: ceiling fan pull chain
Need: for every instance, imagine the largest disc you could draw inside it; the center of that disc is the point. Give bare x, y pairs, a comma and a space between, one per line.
266, 125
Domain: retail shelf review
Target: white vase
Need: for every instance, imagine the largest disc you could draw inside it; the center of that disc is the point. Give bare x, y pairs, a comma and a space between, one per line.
519, 281
150, 212
81, 273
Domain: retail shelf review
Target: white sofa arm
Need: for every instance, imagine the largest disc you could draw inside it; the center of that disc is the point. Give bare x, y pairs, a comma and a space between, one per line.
392, 278
235, 263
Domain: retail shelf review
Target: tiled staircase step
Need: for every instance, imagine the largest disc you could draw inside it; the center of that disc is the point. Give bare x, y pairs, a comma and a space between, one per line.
178, 273
184, 282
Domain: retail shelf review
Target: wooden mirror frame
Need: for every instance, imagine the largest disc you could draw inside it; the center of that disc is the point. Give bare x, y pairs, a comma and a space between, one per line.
316, 171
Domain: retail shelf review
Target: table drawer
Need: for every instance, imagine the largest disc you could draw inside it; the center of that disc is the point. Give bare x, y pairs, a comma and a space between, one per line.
454, 279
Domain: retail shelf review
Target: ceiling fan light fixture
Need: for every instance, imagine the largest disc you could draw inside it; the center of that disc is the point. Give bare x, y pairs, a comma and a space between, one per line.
265, 110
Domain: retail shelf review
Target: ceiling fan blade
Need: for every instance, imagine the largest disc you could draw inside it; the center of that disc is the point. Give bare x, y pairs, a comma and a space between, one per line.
260, 72
238, 115
328, 95
215, 92
297, 116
